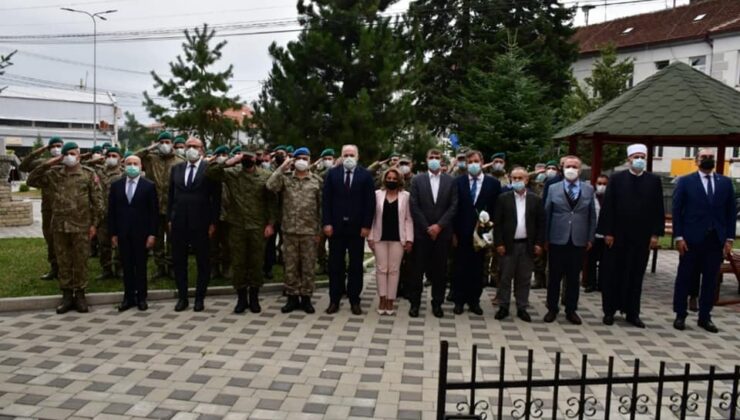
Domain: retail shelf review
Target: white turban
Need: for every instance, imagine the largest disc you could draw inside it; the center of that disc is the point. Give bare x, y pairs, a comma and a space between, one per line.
636, 148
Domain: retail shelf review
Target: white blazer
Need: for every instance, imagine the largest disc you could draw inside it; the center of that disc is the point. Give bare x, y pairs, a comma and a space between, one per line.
406, 223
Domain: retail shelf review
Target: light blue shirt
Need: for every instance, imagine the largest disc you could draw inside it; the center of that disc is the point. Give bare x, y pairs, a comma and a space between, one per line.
576, 190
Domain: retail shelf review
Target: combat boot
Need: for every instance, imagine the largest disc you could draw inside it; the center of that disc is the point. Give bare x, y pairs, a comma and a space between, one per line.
51, 275
67, 302
291, 305
241, 301
254, 300
80, 301
306, 305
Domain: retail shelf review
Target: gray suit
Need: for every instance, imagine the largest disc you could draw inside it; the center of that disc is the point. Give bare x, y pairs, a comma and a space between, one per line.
430, 257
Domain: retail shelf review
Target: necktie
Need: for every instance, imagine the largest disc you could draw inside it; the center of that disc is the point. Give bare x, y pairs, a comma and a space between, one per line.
710, 189
347, 180
572, 192
130, 191
190, 176
474, 189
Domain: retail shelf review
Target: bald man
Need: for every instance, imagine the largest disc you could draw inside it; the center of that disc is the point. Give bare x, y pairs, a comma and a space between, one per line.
133, 215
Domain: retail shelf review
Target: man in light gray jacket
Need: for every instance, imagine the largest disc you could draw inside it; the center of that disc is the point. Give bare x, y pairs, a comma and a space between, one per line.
570, 218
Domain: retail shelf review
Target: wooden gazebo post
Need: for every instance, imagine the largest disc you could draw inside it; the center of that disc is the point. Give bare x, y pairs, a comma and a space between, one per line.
721, 146
597, 157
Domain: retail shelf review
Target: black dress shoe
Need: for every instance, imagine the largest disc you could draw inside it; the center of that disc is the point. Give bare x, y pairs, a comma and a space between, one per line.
198, 306
608, 320
333, 308
458, 309
679, 324
573, 318
709, 326
356, 310
437, 311
476, 309
502, 313
523, 315
181, 305
142, 305
125, 305
550, 316
636, 321
414, 311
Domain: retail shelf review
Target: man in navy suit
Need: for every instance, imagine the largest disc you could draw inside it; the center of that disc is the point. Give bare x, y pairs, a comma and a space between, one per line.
476, 192
133, 216
348, 208
704, 227
193, 213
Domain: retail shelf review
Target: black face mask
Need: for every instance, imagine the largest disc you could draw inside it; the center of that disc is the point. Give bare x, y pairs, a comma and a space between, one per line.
391, 185
279, 159
707, 164
247, 163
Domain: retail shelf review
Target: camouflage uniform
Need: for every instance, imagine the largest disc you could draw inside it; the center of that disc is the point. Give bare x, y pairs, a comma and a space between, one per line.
540, 262
29, 163
107, 175
250, 208
219, 247
77, 206
157, 168
321, 254
301, 219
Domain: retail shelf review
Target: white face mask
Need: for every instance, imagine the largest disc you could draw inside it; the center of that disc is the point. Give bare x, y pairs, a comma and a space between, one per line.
301, 165
111, 161
192, 155
221, 159
70, 160
550, 173
349, 163
180, 152
328, 163
571, 174
404, 169
55, 151
266, 165
600, 189
165, 149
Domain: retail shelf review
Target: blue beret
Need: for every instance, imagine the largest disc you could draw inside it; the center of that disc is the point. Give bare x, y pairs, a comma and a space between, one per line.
301, 151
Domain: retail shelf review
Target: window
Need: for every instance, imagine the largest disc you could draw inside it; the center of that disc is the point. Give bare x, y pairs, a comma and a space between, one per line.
657, 151
699, 63
736, 152
50, 124
660, 65
15, 123
628, 30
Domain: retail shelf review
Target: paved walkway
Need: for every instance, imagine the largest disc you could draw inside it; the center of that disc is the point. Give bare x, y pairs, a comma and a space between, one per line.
33, 231
162, 364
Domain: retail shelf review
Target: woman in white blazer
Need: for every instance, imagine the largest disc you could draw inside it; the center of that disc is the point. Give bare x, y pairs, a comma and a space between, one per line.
391, 235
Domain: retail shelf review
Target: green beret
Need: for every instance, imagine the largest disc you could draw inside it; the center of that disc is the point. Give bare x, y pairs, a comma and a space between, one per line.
164, 135
279, 147
113, 149
209, 152
289, 149
69, 146
404, 158
127, 154
235, 150
179, 140
552, 163
97, 149
394, 154
55, 140
221, 150
499, 155
106, 145
328, 152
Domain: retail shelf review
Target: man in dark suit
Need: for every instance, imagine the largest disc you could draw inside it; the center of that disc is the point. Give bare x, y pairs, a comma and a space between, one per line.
433, 207
133, 216
704, 226
570, 217
348, 207
475, 192
193, 213
519, 235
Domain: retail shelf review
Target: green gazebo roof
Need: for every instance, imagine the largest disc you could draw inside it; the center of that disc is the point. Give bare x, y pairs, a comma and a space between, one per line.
676, 101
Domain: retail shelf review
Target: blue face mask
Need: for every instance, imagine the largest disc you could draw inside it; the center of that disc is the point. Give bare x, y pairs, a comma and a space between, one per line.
541, 177
433, 165
518, 185
474, 169
639, 164
461, 165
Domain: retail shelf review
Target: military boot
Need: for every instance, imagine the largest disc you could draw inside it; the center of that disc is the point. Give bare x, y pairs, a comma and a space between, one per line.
67, 302
241, 301
291, 305
80, 301
51, 275
306, 305
254, 300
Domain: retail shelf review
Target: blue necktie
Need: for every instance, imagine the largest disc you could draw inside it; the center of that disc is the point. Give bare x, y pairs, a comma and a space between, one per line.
190, 175
474, 189
710, 189
572, 192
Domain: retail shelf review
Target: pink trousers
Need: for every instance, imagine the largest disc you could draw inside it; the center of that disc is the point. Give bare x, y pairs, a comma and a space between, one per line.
388, 256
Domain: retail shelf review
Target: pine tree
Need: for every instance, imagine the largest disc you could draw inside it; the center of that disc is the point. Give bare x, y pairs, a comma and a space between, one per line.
339, 82
197, 94
133, 135
4, 63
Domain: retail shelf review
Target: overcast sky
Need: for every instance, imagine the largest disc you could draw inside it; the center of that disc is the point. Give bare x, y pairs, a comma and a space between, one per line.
248, 53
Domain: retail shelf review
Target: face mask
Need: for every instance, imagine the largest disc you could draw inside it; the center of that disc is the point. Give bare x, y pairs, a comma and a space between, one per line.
301, 165
474, 169
55, 151
349, 163
518, 185
104, 152
328, 163
132, 171
221, 159
265, 165
96, 156
550, 173
571, 174
111, 161
247, 163
433, 164
707, 164
70, 160
404, 169
279, 159
192, 155
541, 177
639, 164
165, 149
391, 185
498, 167
600, 189
461, 165
180, 152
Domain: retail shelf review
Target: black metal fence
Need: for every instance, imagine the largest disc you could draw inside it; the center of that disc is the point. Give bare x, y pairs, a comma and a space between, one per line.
680, 404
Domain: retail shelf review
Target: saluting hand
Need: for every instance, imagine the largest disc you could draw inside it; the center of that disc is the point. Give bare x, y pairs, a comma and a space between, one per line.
150, 241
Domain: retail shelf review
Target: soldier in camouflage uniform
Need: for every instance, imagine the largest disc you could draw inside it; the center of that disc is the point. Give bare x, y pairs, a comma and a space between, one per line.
110, 171
251, 220
28, 164
537, 179
460, 163
179, 146
378, 168
326, 161
219, 247
77, 204
158, 160
301, 220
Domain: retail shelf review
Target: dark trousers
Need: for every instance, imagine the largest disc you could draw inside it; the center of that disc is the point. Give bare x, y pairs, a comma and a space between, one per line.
704, 257
621, 274
428, 257
594, 259
468, 280
198, 241
339, 246
565, 260
134, 255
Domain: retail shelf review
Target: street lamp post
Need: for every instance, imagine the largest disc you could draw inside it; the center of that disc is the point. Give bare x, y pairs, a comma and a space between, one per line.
93, 16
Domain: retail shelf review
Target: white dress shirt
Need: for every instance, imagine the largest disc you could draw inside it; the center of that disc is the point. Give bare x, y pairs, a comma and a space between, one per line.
477, 187
434, 182
188, 169
521, 215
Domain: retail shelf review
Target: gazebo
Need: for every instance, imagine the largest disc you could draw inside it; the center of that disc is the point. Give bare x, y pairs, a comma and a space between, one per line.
678, 106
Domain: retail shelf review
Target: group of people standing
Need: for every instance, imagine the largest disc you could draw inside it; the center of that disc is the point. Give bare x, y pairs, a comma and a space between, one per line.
451, 224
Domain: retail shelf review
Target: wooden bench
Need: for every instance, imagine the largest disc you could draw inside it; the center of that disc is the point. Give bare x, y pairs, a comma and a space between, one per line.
732, 266
668, 232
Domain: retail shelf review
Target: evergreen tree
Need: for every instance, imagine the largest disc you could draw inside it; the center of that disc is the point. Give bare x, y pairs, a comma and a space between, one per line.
504, 110
4, 63
197, 94
339, 82
133, 135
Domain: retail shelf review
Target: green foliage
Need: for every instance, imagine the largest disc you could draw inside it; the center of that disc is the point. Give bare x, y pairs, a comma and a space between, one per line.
197, 94
339, 82
38, 142
23, 187
133, 135
4, 63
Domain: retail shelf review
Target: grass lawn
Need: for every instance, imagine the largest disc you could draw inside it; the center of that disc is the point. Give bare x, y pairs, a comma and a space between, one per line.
23, 260
34, 193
